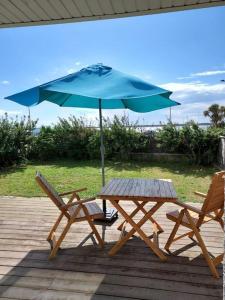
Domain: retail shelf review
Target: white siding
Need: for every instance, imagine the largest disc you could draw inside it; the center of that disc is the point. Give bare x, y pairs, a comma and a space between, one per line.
36, 12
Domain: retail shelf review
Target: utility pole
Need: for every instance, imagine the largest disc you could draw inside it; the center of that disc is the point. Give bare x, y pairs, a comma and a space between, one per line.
170, 118
29, 120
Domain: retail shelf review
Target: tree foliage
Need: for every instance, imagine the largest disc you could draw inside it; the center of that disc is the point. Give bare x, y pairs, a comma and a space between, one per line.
216, 114
16, 140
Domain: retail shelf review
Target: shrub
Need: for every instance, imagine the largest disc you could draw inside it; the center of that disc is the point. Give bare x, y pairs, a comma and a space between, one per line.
122, 138
66, 139
200, 145
93, 145
43, 146
169, 139
72, 138
16, 140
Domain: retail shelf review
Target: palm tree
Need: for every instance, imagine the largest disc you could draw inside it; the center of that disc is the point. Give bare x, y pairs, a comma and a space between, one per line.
216, 113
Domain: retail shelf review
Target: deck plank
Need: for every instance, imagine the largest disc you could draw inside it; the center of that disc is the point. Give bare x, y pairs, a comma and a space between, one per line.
89, 273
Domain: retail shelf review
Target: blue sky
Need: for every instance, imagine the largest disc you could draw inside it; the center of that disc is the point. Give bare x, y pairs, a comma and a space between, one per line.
183, 52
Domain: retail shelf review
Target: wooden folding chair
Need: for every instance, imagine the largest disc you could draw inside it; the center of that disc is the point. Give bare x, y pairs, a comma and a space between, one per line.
193, 218
80, 210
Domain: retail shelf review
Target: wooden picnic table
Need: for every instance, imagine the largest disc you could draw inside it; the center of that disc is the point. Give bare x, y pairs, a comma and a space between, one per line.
139, 191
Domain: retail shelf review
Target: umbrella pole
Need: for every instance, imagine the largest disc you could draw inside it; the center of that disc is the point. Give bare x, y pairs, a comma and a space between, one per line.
102, 151
109, 214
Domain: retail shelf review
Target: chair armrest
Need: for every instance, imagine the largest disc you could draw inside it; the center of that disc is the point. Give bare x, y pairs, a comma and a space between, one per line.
71, 192
78, 202
200, 194
189, 207
194, 209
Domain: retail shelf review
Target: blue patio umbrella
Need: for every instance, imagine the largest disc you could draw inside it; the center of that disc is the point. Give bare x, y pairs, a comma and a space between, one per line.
100, 87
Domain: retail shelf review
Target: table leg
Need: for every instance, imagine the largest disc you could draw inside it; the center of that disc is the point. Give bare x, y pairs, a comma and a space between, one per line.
136, 228
137, 209
140, 206
155, 224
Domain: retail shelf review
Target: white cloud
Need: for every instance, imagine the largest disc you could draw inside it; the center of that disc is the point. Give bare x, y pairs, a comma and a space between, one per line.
208, 73
189, 111
203, 74
185, 77
5, 82
184, 90
195, 97
193, 111
78, 63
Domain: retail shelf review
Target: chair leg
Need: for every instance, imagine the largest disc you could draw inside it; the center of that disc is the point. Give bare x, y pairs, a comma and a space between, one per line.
191, 234
221, 223
59, 241
219, 218
54, 227
202, 246
174, 231
94, 230
217, 260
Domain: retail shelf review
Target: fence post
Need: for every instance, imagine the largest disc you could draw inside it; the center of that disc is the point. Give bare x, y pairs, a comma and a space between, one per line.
222, 152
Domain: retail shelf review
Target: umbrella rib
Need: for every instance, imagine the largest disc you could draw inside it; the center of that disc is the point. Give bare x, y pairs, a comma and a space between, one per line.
125, 106
67, 97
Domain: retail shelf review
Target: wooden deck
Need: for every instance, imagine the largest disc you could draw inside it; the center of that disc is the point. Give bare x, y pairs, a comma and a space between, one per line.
83, 271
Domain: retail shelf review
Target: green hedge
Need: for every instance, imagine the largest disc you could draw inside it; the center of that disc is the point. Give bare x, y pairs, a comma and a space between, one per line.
15, 140
200, 145
71, 138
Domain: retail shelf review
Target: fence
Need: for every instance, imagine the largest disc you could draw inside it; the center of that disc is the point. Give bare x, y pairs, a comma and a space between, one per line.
156, 125
222, 152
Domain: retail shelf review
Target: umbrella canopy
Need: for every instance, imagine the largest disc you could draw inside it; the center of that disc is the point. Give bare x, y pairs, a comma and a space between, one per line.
85, 87
100, 87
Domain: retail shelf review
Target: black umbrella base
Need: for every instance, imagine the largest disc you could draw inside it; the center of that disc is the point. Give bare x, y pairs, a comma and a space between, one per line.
111, 214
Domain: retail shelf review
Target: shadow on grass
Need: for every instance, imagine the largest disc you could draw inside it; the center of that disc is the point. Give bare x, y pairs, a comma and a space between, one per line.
177, 168
10, 170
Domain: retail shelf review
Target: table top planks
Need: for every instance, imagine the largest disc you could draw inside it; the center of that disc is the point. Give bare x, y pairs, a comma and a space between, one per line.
139, 189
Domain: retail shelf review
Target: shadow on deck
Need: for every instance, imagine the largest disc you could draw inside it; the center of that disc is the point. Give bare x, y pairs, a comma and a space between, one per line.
83, 271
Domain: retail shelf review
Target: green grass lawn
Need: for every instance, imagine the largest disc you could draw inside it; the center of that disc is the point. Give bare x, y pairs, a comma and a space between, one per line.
66, 175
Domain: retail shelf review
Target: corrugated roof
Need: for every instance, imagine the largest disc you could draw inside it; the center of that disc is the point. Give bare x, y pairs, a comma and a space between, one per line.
37, 12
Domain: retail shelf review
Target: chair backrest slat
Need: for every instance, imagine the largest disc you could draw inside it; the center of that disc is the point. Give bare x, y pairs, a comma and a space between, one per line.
49, 190
215, 197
